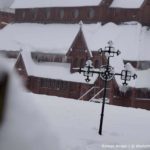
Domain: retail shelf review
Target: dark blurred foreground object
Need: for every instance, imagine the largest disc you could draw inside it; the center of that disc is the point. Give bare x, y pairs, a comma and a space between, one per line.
3, 92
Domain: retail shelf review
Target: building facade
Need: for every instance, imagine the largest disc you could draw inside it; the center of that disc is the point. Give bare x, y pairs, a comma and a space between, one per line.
102, 12
6, 18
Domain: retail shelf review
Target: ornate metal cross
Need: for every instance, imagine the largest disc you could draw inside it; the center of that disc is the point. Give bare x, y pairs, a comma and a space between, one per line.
106, 73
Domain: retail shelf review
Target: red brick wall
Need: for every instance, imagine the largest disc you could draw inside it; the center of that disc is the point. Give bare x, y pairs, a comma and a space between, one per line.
101, 13
145, 104
83, 89
6, 18
128, 102
145, 13
78, 52
121, 101
20, 66
72, 90
129, 99
98, 59
68, 16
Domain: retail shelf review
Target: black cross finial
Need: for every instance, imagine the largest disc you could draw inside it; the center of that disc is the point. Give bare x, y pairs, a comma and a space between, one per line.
109, 50
126, 75
87, 70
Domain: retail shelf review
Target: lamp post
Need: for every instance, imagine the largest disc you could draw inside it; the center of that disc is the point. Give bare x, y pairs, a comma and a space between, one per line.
106, 73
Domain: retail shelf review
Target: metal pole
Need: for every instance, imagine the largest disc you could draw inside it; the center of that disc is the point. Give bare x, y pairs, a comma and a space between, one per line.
103, 107
106, 73
104, 98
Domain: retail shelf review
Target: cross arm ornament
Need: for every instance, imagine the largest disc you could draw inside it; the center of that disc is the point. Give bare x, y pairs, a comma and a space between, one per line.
106, 72
126, 76
109, 50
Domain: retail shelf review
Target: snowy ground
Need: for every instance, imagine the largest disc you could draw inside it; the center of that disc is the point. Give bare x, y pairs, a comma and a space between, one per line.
77, 123
39, 122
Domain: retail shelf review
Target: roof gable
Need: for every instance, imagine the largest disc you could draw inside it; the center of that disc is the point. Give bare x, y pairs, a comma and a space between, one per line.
79, 43
20, 64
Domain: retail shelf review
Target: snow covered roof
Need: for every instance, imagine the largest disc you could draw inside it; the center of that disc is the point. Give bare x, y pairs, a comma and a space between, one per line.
52, 70
7, 10
127, 3
131, 39
4, 4
53, 38
57, 38
53, 3
142, 80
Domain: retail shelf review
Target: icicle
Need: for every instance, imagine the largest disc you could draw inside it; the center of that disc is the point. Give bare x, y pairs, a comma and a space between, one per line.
123, 88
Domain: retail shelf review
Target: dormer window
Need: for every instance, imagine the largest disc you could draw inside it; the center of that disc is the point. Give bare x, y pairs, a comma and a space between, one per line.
75, 62
96, 65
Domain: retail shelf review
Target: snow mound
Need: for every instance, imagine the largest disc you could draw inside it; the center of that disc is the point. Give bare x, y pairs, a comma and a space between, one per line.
25, 127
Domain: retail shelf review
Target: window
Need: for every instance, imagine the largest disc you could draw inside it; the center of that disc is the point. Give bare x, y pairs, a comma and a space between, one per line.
48, 13
52, 84
61, 13
23, 14
66, 85
75, 62
76, 13
57, 85
61, 85
44, 83
91, 13
96, 63
82, 63
34, 13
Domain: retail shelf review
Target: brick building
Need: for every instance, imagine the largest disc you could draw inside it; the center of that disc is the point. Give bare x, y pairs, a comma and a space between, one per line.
61, 78
7, 14
88, 11
6, 18
80, 46
60, 40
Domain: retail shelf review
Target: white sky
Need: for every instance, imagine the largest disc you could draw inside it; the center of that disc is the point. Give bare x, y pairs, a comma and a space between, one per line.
5, 3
